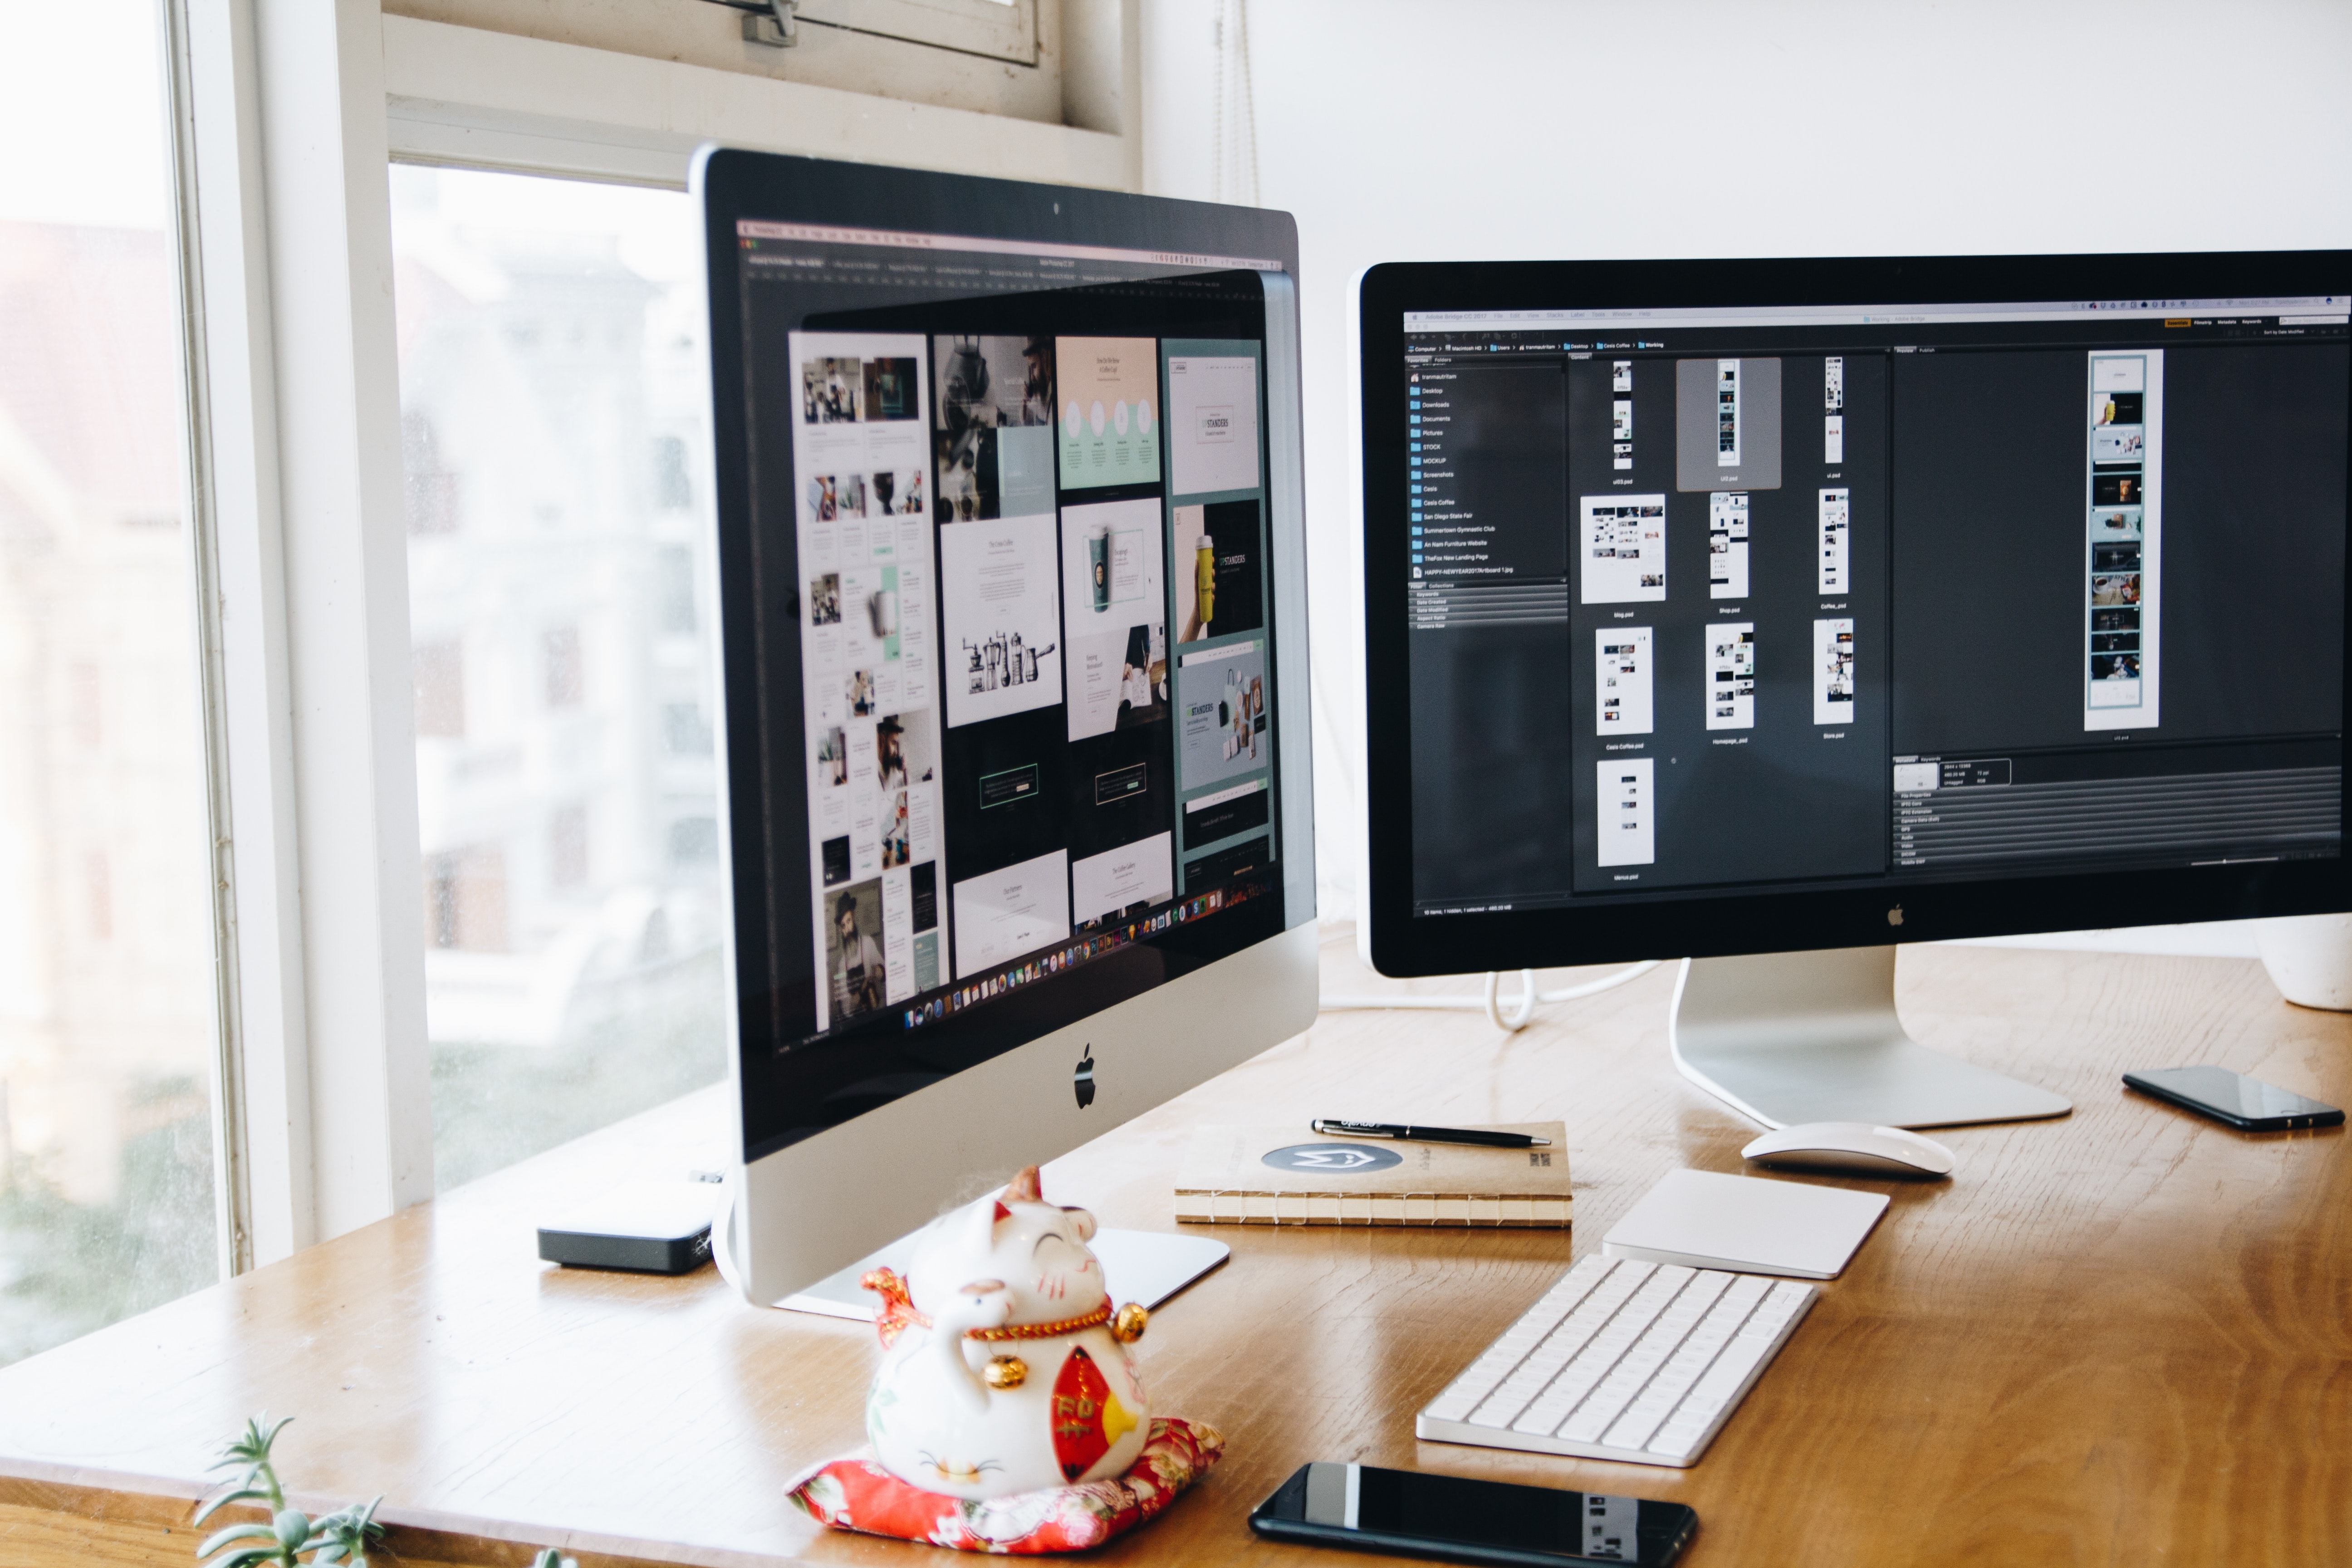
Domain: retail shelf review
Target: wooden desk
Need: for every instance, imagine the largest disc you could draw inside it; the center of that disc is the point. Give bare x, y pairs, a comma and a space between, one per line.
2124, 1337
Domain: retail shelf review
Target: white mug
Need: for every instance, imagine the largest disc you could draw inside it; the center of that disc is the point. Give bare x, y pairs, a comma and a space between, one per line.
2309, 958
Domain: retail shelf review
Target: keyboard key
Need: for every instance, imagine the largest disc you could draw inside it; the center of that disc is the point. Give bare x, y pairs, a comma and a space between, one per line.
1704, 1292
1676, 1438
1632, 1431
1609, 1400
1539, 1419
1742, 1355
1768, 1318
1658, 1401
1453, 1404
1747, 1290
1579, 1281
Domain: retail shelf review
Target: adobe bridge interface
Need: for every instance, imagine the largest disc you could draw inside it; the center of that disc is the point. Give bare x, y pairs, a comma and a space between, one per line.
1804, 597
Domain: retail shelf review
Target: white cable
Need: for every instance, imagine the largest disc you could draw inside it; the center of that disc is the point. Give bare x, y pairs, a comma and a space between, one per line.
1217, 120
1606, 983
1526, 1007
723, 1241
1523, 1006
1229, 38
1248, 95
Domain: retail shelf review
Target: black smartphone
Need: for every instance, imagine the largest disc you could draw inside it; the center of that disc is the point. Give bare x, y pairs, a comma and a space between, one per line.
1454, 1520
2248, 1104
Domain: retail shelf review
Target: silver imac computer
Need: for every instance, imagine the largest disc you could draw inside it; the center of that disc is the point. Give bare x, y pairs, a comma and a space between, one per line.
1012, 617
1766, 614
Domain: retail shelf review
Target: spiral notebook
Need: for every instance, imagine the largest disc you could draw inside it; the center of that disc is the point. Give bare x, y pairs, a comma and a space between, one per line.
1290, 1175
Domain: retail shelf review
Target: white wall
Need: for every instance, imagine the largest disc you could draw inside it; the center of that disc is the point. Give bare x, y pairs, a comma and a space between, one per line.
1564, 128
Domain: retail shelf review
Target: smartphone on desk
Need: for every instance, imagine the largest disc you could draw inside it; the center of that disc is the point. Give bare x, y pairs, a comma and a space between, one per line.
1454, 1520
2248, 1104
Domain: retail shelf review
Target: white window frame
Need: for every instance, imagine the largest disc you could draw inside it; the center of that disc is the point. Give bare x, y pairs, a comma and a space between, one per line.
998, 29
289, 114
501, 100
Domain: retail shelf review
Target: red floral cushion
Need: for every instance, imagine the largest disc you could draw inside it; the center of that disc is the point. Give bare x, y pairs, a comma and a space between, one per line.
856, 1493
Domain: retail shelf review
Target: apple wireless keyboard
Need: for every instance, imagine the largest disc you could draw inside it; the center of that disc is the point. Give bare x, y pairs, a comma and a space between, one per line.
1620, 1359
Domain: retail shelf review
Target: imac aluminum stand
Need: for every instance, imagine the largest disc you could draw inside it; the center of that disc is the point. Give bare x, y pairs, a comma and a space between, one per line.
1793, 1038
1146, 1267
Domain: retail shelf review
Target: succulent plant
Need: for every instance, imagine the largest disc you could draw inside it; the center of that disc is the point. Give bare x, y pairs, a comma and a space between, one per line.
291, 1538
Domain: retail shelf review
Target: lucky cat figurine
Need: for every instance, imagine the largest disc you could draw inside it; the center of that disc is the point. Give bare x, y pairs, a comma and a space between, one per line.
1005, 1369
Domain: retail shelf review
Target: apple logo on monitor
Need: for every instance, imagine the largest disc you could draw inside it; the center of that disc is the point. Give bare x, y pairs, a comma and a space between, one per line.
1084, 1081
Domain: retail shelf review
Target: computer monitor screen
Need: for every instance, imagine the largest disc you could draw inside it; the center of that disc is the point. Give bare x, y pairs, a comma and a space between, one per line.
1740, 607
1003, 524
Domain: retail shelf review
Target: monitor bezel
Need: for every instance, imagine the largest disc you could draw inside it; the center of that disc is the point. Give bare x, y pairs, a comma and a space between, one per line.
1713, 922
733, 184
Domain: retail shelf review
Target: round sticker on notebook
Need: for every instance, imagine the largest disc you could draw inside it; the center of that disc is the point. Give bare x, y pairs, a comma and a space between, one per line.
1333, 1158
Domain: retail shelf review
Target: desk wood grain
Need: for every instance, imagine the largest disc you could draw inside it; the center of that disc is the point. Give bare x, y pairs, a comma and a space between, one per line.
2121, 1337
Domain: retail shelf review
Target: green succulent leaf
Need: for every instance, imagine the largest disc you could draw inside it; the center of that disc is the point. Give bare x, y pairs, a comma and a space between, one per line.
293, 1527
214, 1504
343, 1537
253, 1446
237, 1532
246, 1556
249, 1455
351, 1522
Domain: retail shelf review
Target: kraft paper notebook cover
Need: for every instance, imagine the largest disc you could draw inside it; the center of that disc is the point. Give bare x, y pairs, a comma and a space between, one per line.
1290, 1175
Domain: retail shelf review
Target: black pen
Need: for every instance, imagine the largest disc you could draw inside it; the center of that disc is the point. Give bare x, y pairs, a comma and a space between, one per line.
1329, 1128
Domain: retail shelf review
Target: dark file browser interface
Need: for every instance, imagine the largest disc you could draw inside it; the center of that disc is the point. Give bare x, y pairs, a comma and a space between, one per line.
1812, 596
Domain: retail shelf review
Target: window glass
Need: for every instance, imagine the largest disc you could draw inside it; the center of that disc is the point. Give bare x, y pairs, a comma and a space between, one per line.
553, 431
106, 1004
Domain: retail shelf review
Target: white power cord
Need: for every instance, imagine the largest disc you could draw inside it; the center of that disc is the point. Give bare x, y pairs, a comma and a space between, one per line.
1523, 1006
722, 1242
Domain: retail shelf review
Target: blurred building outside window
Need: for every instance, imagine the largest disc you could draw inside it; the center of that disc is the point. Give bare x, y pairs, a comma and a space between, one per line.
553, 430
107, 1027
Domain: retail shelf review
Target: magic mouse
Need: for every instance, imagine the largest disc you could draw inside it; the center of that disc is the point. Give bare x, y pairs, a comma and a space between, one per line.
1853, 1146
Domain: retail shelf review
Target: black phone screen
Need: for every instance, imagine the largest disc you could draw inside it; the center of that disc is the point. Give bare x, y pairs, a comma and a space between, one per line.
2234, 1098
1471, 1520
